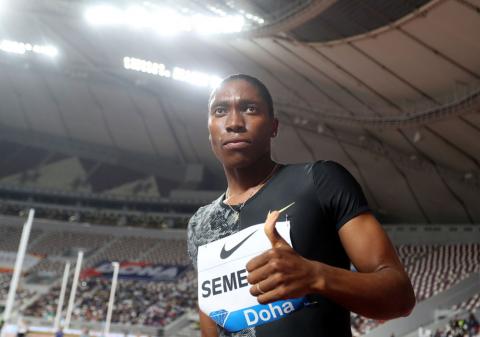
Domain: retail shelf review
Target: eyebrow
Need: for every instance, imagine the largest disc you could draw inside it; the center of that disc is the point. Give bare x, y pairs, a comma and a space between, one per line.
228, 102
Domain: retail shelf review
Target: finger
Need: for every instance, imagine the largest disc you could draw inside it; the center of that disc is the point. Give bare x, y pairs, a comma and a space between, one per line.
258, 261
257, 289
275, 294
270, 262
265, 286
259, 274
275, 238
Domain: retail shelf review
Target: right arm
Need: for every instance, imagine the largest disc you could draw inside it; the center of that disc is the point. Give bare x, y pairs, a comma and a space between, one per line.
208, 327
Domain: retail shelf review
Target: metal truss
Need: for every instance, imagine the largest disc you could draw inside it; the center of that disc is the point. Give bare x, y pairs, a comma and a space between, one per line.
458, 106
369, 144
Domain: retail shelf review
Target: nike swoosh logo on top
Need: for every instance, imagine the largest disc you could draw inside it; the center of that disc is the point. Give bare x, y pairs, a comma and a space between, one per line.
226, 253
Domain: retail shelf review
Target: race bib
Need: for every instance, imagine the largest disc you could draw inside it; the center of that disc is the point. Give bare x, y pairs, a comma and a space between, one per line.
223, 289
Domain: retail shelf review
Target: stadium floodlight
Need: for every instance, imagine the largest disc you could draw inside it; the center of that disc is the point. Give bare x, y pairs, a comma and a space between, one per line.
13, 47
104, 15
162, 20
167, 22
45, 50
144, 66
21, 48
195, 78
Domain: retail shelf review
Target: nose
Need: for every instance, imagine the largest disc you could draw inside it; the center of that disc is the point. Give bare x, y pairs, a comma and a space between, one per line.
235, 121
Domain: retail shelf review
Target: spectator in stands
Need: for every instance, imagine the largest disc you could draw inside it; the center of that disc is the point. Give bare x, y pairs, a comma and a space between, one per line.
473, 326
59, 332
460, 328
137, 302
85, 333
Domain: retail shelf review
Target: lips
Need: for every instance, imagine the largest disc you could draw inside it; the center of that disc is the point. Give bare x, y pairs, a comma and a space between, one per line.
236, 144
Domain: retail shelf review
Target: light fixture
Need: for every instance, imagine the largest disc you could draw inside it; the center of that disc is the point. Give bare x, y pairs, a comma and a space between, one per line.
216, 10
46, 50
104, 15
144, 66
14, 47
162, 20
196, 78
21, 48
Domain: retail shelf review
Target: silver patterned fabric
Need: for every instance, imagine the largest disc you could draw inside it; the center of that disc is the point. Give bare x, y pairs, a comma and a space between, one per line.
210, 223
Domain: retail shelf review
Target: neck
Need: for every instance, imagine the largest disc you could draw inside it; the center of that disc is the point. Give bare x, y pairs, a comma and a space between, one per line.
240, 180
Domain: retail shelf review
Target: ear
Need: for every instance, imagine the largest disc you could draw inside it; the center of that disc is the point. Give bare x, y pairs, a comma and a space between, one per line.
275, 127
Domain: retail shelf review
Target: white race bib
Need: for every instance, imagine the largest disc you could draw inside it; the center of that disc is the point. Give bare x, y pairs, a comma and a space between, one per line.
223, 289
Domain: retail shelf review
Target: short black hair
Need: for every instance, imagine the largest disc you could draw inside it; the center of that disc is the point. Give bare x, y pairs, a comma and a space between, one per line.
261, 88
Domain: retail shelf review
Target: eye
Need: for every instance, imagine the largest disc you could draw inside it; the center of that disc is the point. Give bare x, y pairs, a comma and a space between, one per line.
251, 109
219, 111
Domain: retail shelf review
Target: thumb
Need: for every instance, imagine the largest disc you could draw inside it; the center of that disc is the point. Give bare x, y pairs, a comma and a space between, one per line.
275, 238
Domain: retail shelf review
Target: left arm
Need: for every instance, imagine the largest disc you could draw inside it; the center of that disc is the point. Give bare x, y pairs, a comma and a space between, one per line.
380, 289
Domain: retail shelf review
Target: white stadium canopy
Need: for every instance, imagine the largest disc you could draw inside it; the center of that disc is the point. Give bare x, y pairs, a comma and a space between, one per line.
390, 89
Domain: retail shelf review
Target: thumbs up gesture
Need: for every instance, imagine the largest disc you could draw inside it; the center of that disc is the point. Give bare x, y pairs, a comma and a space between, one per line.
272, 234
280, 272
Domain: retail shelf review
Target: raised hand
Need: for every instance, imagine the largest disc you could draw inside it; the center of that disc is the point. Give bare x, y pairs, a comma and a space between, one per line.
280, 272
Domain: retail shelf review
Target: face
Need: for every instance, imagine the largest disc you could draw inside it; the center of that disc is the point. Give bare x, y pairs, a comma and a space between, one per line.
239, 124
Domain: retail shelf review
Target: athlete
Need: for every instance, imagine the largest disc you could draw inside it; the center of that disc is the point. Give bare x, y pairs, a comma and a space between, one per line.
331, 228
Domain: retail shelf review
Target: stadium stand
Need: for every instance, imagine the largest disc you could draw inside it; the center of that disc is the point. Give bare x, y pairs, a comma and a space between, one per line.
23, 294
137, 302
61, 174
145, 187
165, 252
119, 215
144, 303
442, 266
58, 243
48, 265
432, 269
10, 237
125, 249
467, 326
471, 305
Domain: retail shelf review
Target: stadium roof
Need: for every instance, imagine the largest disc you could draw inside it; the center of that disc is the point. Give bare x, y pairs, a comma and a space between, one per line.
390, 89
